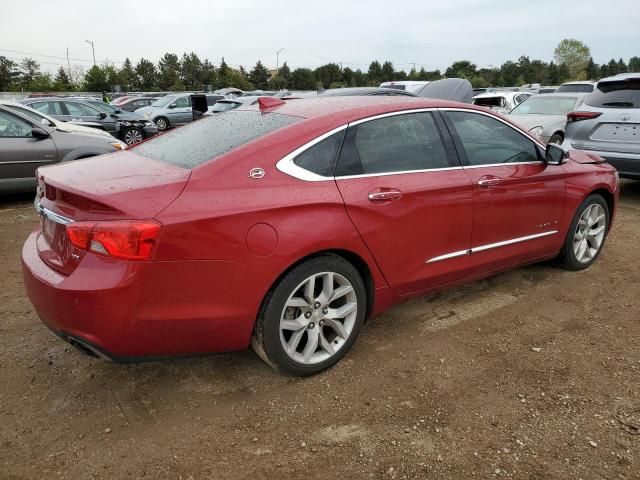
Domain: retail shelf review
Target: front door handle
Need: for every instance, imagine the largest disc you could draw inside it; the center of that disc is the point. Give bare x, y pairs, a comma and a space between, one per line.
382, 195
489, 181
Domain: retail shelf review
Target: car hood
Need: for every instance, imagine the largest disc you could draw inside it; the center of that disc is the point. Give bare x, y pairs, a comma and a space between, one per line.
131, 116
68, 127
528, 121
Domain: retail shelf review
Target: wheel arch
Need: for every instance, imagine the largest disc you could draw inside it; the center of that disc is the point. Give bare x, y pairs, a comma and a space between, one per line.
608, 197
353, 258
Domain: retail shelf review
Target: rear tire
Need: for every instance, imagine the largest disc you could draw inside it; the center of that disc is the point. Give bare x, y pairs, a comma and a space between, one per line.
312, 317
586, 234
557, 138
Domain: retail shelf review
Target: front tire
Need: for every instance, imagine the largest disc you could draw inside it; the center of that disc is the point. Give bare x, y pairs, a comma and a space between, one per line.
312, 317
162, 123
587, 233
132, 136
557, 138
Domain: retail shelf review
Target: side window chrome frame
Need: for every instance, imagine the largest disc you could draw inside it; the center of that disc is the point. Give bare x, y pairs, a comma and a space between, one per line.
286, 164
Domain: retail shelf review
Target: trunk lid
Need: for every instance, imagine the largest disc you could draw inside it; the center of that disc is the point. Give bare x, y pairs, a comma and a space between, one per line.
109, 187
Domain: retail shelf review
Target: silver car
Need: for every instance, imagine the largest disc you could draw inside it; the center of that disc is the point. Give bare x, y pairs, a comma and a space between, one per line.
545, 116
608, 123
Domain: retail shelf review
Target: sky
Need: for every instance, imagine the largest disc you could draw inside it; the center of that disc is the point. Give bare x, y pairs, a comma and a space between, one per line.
431, 34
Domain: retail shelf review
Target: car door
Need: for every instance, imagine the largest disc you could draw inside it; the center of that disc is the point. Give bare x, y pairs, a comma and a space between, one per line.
518, 199
20, 152
408, 198
182, 111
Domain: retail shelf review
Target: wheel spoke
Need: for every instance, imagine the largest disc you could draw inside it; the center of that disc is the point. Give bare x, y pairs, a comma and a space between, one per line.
309, 289
295, 324
327, 288
342, 312
325, 344
337, 327
312, 344
297, 302
294, 341
598, 219
581, 250
340, 292
595, 231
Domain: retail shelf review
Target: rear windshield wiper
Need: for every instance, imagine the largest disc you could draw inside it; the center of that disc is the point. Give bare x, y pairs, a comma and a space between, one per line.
618, 104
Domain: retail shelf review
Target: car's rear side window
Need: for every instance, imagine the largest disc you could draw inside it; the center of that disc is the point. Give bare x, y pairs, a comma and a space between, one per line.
210, 137
618, 94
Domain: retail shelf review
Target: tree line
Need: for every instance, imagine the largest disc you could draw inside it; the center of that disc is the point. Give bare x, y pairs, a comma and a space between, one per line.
572, 61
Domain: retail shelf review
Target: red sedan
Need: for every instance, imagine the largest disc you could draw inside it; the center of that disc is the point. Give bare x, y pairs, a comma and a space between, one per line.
287, 224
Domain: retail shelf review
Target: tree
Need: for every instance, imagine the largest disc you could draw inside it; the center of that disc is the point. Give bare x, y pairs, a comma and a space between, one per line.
8, 73
127, 76
96, 80
622, 67
553, 77
29, 68
146, 74
328, 74
592, 70
222, 74
387, 71
208, 74
285, 72
259, 76
41, 82
277, 82
238, 79
191, 71
461, 69
168, 71
303, 79
574, 54
360, 78
613, 67
634, 64
62, 83
374, 75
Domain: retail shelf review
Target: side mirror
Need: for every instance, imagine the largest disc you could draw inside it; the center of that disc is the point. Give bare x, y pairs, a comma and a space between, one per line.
555, 154
102, 115
39, 133
173, 105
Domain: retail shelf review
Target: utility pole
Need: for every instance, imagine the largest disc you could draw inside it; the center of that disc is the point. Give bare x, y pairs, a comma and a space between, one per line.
278, 59
93, 51
68, 64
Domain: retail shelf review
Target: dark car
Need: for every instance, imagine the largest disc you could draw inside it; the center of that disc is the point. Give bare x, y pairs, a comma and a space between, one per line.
134, 103
130, 127
26, 144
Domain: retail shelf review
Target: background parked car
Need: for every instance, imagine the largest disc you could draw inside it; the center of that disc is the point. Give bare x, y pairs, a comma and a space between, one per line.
608, 123
545, 116
134, 103
226, 104
26, 144
407, 85
502, 102
576, 87
52, 122
364, 91
130, 127
170, 111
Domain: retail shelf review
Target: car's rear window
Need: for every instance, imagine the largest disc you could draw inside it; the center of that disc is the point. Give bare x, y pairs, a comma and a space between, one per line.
490, 101
575, 88
210, 137
617, 94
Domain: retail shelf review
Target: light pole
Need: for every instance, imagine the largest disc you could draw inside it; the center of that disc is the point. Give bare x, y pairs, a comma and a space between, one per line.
68, 64
92, 51
278, 59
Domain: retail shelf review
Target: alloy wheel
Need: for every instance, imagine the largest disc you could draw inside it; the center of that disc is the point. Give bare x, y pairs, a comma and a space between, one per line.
161, 123
133, 136
318, 318
590, 232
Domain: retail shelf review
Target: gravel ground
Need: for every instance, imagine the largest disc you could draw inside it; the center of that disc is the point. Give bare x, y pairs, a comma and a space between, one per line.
533, 374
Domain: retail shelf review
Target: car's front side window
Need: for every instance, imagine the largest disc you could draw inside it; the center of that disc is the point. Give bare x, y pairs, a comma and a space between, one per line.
183, 102
80, 109
488, 141
397, 143
12, 127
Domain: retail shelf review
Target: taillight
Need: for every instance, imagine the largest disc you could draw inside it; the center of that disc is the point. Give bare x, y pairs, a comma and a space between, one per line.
578, 116
125, 239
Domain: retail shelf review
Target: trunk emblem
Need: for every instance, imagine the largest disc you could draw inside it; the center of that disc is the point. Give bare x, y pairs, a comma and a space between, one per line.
256, 173
625, 117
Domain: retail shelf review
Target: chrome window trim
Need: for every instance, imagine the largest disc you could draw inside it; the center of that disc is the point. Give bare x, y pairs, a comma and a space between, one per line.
53, 216
286, 164
490, 246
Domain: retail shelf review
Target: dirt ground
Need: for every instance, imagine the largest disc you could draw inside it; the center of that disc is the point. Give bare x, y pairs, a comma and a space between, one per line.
533, 374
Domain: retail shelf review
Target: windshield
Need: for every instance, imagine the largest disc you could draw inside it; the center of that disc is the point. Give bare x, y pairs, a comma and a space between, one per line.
224, 106
211, 137
617, 94
163, 101
38, 117
575, 88
545, 106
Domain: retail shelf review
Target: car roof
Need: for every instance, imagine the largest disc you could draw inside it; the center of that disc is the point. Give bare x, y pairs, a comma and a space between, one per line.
501, 93
621, 76
580, 82
364, 90
563, 94
345, 109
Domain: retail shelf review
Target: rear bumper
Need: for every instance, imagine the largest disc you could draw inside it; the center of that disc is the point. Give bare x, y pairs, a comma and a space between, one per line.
131, 311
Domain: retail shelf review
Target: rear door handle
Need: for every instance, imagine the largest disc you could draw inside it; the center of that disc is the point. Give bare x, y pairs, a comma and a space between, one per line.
381, 195
489, 181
